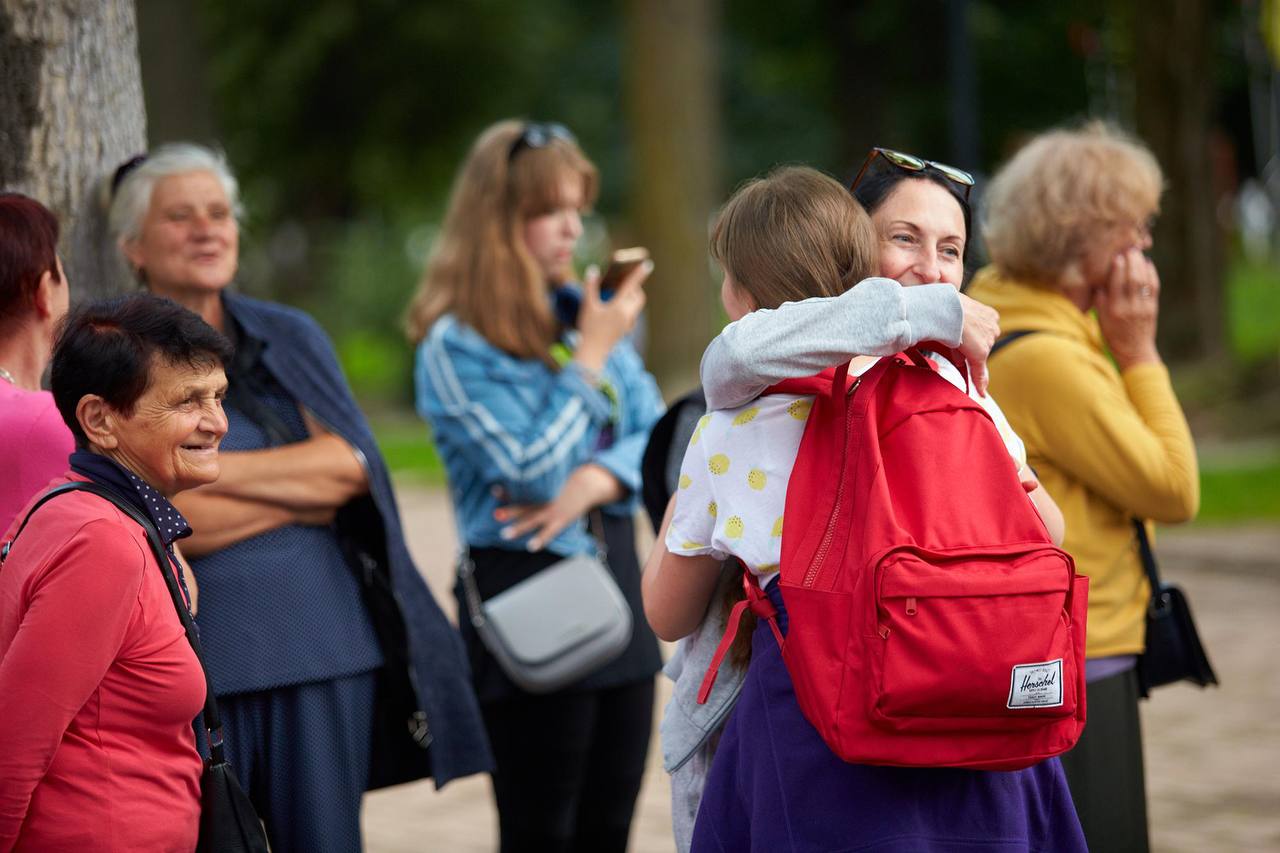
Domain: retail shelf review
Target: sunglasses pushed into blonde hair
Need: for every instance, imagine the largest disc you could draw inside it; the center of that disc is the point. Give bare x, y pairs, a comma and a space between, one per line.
793, 234
480, 270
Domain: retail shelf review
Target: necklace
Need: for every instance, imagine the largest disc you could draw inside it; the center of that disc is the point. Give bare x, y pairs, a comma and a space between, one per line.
7, 376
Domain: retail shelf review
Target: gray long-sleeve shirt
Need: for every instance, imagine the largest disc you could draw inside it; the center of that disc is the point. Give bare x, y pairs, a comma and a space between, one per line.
878, 316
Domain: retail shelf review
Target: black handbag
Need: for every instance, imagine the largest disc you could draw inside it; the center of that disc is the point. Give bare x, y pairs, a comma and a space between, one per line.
228, 822
1173, 648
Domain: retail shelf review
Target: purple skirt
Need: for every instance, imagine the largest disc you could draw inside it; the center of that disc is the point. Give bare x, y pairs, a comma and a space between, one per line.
775, 786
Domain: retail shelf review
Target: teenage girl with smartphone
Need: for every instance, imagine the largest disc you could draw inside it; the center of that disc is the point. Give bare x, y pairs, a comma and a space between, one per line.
540, 424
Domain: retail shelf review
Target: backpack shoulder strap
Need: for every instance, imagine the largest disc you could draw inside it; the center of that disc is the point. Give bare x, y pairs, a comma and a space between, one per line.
819, 383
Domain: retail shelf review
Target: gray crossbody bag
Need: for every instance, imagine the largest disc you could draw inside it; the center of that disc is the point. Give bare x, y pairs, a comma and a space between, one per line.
555, 627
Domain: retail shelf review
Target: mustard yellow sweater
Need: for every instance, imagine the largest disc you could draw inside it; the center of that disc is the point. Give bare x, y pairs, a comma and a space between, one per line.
1107, 446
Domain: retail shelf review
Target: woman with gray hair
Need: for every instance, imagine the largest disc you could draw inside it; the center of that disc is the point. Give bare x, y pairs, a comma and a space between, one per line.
333, 665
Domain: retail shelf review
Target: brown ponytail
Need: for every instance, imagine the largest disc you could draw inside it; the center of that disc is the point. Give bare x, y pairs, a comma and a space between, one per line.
793, 234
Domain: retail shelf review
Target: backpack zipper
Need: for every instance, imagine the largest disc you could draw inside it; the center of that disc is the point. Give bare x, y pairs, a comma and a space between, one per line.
820, 556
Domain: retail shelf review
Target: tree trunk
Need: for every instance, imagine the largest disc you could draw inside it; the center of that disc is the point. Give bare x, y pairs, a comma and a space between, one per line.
1173, 82
71, 110
175, 76
672, 90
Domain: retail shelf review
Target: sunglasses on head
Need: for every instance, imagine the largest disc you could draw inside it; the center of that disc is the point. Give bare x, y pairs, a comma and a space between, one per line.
124, 170
539, 135
912, 163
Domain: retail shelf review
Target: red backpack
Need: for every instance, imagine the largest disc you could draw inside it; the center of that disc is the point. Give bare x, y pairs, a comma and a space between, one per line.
932, 621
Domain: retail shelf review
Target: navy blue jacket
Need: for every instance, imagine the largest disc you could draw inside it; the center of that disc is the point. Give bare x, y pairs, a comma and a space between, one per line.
426, 673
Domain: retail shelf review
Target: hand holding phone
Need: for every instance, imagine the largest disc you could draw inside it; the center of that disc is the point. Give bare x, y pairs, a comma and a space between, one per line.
621, 264
603, 321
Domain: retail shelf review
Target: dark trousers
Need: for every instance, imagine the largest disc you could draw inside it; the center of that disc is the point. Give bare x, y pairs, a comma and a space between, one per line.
302, 754
1104, 770
569, 767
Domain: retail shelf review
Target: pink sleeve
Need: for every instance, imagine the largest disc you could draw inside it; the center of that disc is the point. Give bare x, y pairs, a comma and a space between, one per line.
44, 451
78, 612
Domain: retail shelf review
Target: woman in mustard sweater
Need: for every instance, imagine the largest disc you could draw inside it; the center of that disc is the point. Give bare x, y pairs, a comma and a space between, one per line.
1067, 225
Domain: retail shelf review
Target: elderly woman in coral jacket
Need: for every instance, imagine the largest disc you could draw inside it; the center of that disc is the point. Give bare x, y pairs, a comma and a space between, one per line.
98, 683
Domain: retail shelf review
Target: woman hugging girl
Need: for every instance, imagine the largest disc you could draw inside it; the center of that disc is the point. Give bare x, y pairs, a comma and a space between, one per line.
774, 783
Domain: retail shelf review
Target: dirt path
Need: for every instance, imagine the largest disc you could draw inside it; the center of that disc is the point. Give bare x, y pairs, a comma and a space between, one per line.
1212, 756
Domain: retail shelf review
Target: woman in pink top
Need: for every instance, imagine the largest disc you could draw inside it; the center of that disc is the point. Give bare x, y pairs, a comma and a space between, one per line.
98, 682
34, 443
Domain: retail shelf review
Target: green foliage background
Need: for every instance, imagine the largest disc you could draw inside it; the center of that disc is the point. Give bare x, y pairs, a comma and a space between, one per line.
345, 120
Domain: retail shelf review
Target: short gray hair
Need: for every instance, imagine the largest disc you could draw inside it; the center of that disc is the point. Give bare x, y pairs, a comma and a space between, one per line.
131, 199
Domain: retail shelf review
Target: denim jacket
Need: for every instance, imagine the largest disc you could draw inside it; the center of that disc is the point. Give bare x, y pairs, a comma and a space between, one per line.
511, 430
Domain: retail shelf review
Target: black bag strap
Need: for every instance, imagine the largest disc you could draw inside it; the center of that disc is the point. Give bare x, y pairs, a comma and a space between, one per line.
212, 719
1008, 338
1148, 559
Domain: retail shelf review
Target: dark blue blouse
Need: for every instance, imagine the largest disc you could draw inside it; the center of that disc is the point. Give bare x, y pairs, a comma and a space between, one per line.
284, 607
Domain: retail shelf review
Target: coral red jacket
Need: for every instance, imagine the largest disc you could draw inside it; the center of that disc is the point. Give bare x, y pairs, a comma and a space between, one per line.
98, 690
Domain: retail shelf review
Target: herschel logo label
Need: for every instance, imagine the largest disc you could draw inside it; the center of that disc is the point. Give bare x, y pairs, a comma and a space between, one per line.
1036, 685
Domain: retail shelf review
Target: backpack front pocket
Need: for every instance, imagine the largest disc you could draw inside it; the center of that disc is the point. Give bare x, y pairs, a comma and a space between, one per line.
984, 640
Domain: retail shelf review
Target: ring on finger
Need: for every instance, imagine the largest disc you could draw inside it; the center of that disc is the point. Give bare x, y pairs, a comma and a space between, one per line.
1145, 291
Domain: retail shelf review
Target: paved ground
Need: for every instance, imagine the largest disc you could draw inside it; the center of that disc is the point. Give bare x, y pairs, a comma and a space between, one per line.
1212, 756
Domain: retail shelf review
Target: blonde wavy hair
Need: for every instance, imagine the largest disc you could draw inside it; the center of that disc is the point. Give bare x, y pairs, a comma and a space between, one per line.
480, 270
1060, 192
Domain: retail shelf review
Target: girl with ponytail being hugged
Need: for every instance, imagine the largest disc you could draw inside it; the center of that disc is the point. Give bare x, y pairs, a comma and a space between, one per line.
774, 783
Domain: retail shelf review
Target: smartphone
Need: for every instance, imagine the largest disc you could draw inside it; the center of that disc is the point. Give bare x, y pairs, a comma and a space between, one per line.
621, 265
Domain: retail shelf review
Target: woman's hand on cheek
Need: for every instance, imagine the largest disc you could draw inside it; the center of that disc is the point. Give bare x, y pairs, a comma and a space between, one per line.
1128, 306
588, 486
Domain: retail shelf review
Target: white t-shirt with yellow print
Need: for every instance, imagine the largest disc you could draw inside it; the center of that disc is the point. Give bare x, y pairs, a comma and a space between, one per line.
733, 481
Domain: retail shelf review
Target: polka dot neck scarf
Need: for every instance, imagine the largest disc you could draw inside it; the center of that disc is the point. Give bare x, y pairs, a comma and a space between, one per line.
171, 523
